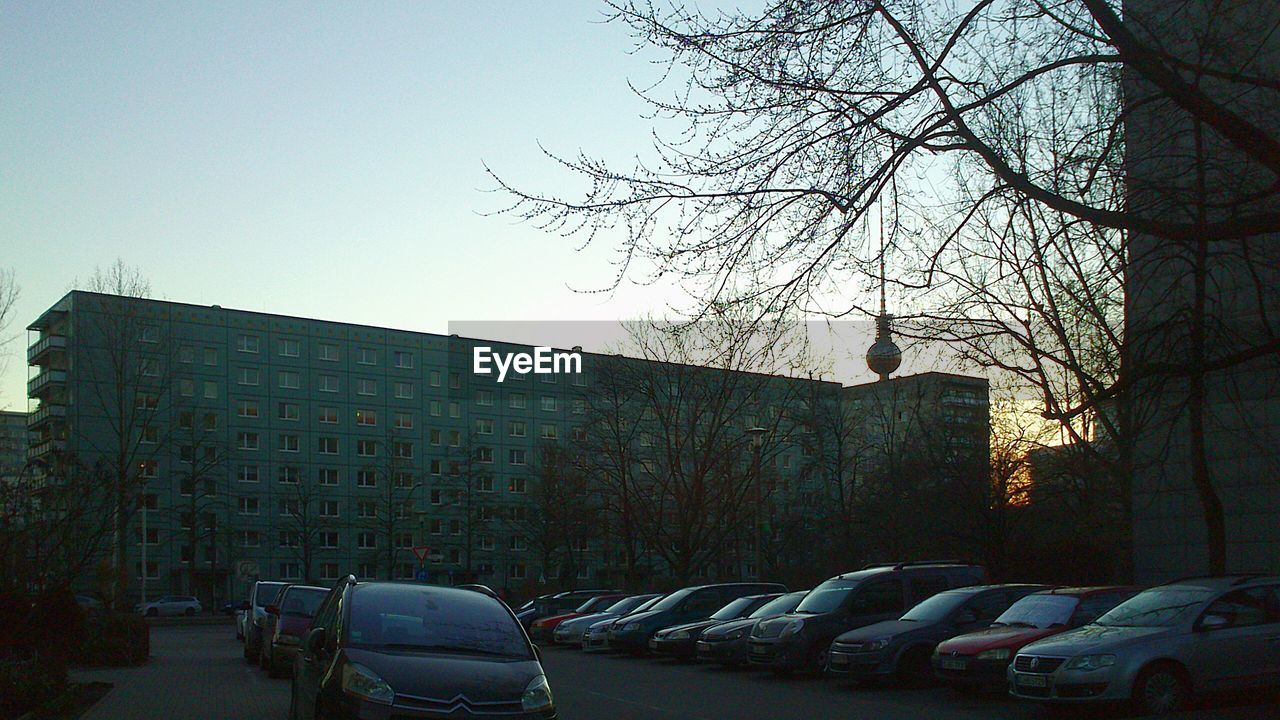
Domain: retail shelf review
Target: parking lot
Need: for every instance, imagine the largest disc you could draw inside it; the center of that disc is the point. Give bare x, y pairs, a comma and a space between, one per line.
197, 673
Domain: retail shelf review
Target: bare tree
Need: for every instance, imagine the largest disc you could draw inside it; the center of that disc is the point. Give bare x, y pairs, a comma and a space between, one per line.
301, 524
9, 291
397, 480
203, 488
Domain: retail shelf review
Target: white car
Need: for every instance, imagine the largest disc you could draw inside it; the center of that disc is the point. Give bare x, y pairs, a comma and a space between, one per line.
169, 605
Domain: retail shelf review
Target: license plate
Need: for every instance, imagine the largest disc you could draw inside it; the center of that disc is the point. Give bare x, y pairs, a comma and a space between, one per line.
759, 651
653, 644
952, 664
1036, 681
839, 660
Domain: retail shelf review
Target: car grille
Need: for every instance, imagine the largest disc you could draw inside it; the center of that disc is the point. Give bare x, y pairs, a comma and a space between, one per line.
849, 647
1033, 691
1036, 664
460, 704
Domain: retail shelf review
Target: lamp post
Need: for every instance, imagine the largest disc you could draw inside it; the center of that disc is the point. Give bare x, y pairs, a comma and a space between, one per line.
756, 436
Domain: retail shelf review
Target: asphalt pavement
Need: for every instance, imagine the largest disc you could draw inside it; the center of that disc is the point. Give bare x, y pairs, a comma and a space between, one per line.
197, 673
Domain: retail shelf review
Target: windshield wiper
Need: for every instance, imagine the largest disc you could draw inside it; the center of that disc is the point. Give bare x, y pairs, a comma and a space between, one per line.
442, 649
1019, 623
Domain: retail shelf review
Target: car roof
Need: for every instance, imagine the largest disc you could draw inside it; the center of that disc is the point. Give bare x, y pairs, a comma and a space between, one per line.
466, 594
306, 587
976, 589
877, 570
732, 584
1223, 582
1090, 590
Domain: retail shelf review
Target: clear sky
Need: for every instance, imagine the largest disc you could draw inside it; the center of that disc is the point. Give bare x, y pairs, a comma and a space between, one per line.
316, 159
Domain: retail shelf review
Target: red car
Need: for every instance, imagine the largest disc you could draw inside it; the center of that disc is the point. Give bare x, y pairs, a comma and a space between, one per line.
978, 660
291, 614
542, 630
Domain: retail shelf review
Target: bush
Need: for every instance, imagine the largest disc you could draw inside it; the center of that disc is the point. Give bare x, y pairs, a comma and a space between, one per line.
30, 683
115, 639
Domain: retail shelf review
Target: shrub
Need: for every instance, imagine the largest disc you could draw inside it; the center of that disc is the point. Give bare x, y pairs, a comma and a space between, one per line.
30, 683
115, 639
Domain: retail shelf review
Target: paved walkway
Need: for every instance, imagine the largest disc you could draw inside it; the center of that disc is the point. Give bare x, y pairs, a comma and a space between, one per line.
195, 673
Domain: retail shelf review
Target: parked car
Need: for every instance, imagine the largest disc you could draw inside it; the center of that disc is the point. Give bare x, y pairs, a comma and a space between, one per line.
262, 594
596, 637
229, 608
287, 622
631, 633
1161, 647
799, 640
169, 605
89, 603
680, 640
561, 603
541, 630
385, 649
900, 649
242, 612
526, 612
726, 643
979, 660
570, 632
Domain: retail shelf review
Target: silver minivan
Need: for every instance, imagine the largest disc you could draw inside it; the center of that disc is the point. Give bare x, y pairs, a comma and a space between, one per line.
1162, 646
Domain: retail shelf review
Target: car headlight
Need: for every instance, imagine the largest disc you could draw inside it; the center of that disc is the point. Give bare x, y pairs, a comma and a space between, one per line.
880, 644
792, 628
537, 696
735, 635
1091, 662
288, 639
679, 635
359, 681
997, 654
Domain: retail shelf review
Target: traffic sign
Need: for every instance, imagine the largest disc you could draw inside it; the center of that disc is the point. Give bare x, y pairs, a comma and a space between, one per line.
421, 551
420, 575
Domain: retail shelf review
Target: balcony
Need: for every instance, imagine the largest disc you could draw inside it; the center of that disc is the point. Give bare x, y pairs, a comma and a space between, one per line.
41, 449
969, 399
45, 380
47, 412
46, 347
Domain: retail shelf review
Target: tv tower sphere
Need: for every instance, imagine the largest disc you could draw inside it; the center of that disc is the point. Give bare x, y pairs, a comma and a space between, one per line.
884, 356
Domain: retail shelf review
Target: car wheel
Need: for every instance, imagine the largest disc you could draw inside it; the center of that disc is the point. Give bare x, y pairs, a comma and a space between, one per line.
152, 612
1161, 690
189, 612
818, 663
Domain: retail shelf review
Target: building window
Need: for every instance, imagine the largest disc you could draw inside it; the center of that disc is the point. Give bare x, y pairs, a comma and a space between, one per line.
434, 378
328, 415
436, 527
328, 352
149, 367
549, 378
366, 356
484, 426
486, 542
210, 424
402, 479
403, 359
580, 380
578, 433
153, 569
515, 542
149, 334
247, 344
517, 485
290, 571
402, 450
435, 467
484, 454
515, 571
434, 408
516, 401
455, 438
484, 397
366, 478
367, 417
366, 386
516, 428
211, 356
366, 570
549, 432
366, 509
548, 403
435, 436
366, 448
328, 383
485, 484
247, 474
247, 440
404, 541
404, 390
146, 401
455, 555
366, 541
288, 411
329, 540
579, 406
210, 390
328, 571
327, 446
288, 380
288, 508
289, 443
289, 474
454, 410
186, 354
290, 348
329, 508
150, 435
247, 505
187, 387
404, 421
515, 456
327, 476
248, 376
455, 527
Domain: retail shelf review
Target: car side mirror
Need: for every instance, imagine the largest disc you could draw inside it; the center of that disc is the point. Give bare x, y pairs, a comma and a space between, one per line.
272, 609
244, 605
1213, 622
315, 641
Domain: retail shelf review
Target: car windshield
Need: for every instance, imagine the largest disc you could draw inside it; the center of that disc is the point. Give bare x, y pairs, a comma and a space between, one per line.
301, 602
649, 604
426, 619
267, 593
733, 609
1039, 611
594, 604
1158, 607
778, 606
672, 600
826, 597
626, 605
937, 607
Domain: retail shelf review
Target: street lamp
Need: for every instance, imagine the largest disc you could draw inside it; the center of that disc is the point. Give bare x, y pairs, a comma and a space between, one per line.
756, 436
